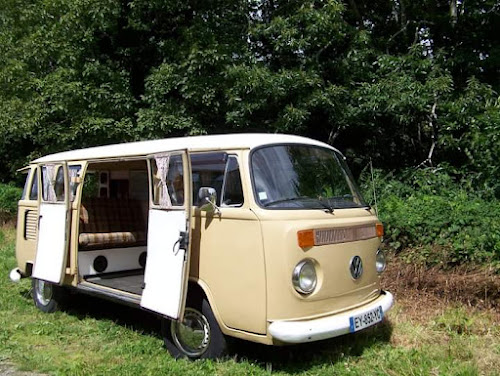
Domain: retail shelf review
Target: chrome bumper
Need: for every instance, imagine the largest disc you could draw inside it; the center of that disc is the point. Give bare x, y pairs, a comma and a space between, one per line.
324, 327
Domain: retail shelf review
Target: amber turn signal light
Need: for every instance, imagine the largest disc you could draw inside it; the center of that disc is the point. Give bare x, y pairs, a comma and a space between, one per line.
379, 227
305, 238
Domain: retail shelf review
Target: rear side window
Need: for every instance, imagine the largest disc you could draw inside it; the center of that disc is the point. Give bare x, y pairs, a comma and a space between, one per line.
34, 186
25, 190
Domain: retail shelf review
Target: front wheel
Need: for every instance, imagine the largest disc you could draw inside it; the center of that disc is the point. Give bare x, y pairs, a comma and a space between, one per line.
47, 296
198, 336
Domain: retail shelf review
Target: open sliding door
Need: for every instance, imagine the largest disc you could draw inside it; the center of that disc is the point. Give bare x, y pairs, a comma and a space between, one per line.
53, 223
167, 264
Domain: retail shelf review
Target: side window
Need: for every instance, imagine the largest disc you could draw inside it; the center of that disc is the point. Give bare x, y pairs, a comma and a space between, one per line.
25, 189
168, 181
52, 183
221, 172
59, 187
90, 185
74, 171
34, 186
232, 192
208, 171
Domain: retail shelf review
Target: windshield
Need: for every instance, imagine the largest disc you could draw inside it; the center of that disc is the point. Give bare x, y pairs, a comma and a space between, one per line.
303, 177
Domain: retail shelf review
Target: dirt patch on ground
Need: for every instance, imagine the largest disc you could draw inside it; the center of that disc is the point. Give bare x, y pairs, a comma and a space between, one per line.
434, 288
7, 369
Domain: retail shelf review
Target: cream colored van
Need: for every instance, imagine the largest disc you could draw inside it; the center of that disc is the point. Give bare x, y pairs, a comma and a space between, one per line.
262, 237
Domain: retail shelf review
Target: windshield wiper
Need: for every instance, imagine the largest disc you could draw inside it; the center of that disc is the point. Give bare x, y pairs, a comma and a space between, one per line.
300, 198
328, 207
347, 199
285, 200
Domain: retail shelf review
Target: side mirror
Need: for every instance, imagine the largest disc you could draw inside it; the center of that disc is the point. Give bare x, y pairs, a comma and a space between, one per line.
208, 199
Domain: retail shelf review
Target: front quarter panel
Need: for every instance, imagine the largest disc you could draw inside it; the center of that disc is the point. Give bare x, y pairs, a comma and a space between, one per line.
336, 290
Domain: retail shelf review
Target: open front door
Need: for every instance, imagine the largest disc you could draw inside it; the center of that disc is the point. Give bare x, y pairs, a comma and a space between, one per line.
53, 223
167, 264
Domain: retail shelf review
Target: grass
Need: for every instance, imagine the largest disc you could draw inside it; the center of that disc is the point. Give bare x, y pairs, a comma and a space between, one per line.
95, 337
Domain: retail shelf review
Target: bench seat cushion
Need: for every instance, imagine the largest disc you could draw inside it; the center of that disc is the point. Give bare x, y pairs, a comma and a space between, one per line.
112, 239
110, 223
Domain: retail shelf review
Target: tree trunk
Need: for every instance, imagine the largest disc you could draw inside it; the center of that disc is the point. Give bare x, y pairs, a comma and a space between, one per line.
453, 12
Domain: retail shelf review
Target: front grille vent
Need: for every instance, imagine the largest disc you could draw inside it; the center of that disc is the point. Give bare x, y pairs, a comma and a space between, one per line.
344, 234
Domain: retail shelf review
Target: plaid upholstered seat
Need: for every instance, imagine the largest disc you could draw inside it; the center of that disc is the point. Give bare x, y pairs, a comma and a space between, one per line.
111, 223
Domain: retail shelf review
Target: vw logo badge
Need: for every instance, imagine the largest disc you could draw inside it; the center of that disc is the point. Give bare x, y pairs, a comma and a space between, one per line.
356, 267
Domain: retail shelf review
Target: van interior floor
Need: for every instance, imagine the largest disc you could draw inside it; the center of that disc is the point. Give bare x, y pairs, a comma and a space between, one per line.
130, 281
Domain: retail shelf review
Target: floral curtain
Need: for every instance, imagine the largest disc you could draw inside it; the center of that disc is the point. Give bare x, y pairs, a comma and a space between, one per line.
162, 165
73, 173
49, 182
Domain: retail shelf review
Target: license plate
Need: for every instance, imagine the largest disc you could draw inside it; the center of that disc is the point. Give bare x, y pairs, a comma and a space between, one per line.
366, 319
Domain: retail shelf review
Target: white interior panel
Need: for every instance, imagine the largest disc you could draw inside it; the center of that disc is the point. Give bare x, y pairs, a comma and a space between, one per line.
50, 261
165, 265
119, 259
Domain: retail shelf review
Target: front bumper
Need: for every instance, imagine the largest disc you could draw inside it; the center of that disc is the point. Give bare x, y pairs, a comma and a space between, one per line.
324, 327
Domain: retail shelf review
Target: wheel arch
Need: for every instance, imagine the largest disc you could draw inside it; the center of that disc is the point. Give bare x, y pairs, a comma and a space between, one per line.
202, 290
199, 290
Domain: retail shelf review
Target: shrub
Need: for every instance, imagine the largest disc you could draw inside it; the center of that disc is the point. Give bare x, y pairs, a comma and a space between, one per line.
445, 221
9, 195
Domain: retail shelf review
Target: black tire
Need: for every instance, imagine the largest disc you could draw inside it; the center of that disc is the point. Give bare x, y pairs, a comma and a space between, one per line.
47, 296
211, 340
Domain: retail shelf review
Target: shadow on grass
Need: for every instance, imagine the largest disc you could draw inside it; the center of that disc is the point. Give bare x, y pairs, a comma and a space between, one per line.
85, 306
299, 358
291, 359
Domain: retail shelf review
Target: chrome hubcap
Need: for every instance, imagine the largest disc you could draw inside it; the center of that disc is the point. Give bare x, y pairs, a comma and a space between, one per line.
43, 291
192, 335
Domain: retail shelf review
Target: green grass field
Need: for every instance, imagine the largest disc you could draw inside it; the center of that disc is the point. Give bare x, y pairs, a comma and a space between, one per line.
95, 337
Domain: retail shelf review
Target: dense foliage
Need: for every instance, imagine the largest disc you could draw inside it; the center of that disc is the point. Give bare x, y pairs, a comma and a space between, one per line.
434, 219
9, 195
404, 84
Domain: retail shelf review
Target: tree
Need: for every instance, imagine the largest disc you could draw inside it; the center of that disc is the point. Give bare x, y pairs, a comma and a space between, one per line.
404, 84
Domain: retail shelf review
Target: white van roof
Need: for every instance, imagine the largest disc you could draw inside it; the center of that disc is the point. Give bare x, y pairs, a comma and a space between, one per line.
194, 143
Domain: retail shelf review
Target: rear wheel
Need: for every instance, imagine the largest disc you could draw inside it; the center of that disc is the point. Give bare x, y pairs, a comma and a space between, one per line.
46, 295
198, 336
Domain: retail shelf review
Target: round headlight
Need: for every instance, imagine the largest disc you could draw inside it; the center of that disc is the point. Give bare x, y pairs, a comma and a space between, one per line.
304, 277
380, 262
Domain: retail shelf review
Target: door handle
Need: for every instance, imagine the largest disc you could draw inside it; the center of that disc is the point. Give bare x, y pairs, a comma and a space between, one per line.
182, 242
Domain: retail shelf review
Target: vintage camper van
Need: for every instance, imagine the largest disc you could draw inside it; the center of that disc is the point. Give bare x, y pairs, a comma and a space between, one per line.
262, 237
